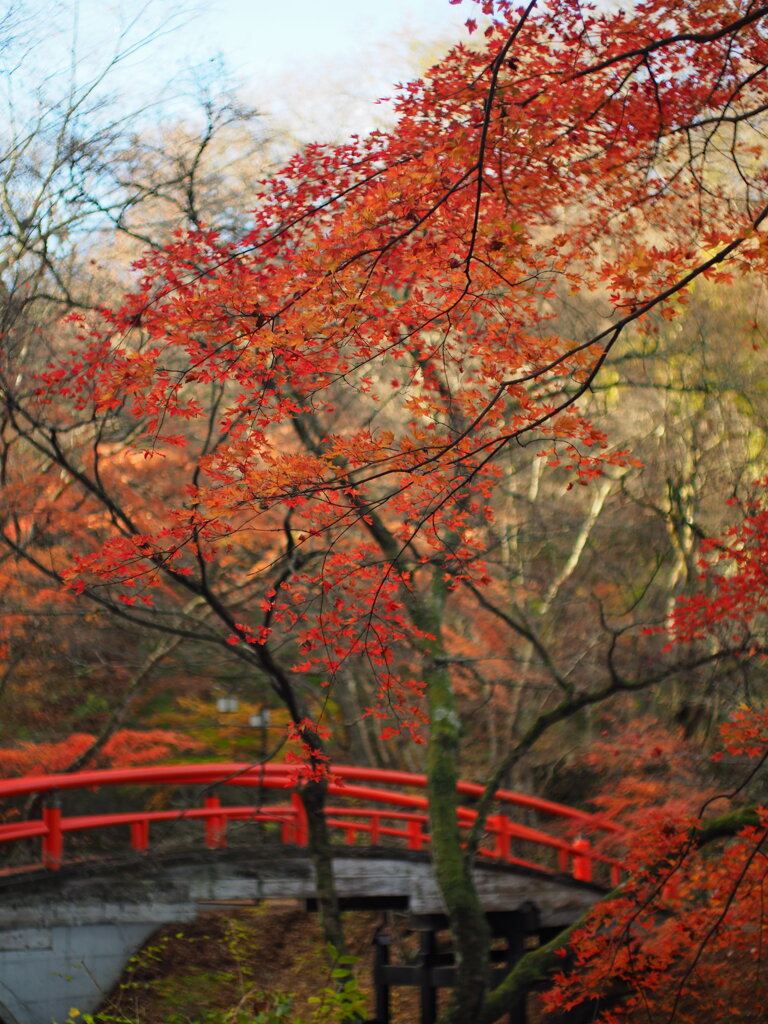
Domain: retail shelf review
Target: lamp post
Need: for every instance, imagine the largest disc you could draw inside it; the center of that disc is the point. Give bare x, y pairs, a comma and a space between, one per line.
260, 720
227, 705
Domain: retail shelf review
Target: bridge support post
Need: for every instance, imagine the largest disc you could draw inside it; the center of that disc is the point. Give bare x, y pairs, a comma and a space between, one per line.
428, 948
436, 969
515, 949
381, 944
516, 927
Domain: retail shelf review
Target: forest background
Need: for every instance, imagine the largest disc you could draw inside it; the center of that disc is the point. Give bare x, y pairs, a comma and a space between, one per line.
515, 614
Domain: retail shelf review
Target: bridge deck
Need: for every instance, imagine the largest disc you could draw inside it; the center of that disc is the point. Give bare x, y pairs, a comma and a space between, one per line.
110, 889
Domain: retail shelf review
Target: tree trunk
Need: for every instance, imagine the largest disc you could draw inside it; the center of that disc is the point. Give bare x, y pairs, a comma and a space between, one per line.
469, 926
313, 797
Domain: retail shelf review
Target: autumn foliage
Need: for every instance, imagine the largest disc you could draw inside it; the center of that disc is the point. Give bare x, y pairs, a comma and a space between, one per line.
125, 748
731, 605
685, 935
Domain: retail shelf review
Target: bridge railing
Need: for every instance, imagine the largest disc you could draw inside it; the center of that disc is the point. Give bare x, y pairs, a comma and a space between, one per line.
364, 808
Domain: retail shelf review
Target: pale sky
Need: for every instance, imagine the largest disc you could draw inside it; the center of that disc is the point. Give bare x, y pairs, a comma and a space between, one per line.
265, 35
320, 64
296, 55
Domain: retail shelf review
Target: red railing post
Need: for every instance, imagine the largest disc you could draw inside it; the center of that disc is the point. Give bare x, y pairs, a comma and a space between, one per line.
140, 835
500, 824
53, 840
582, 861
215, 825
415, 835
300, 827
375, 835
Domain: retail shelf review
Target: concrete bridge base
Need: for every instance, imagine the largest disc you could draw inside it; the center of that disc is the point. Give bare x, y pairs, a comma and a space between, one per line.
48, 971
66, 936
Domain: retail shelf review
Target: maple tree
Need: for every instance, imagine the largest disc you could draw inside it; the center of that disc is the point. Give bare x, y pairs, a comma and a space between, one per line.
288, 445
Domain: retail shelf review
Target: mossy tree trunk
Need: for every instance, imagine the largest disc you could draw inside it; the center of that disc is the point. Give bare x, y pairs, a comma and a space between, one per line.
425, 606
313, 797
453, 869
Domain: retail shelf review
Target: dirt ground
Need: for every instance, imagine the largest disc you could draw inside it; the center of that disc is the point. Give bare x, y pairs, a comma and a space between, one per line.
232, 964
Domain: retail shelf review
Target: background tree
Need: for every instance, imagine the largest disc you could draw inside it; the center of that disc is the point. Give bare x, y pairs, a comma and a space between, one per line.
88, 184
695, 894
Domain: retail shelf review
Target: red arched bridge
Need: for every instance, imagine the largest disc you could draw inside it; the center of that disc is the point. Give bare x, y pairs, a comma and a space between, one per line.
92, 863
370, 806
